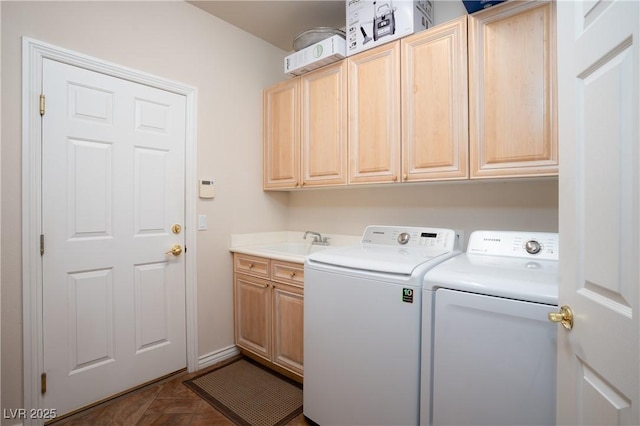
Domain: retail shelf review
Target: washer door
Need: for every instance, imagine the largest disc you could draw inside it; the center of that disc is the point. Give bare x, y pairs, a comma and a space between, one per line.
494, 361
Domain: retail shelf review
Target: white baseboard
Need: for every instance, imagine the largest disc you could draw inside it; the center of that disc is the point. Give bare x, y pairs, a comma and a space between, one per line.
217, 356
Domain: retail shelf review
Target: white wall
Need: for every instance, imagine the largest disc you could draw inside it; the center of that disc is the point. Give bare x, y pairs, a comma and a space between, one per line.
530, 205
174, 40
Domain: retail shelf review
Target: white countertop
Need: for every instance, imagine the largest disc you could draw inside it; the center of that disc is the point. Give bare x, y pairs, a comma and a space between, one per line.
288, 246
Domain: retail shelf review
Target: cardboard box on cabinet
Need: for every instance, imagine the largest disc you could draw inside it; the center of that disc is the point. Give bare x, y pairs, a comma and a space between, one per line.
372, 23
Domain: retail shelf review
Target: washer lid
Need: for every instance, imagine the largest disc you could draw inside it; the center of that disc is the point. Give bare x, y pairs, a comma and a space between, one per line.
390, 260
501, 276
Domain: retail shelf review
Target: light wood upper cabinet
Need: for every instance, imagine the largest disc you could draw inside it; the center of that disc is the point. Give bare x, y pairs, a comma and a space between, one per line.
374, 115
324, 126
281, 135
512, 93
435, 138
474, 97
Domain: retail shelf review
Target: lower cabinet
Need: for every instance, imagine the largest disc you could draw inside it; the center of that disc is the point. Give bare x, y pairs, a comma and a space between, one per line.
268, 312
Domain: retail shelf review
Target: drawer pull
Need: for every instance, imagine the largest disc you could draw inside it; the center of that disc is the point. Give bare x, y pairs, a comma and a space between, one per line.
251, 266
293, 274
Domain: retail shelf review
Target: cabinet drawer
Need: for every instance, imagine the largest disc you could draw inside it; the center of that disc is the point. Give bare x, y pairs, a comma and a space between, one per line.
251, 265
289, 273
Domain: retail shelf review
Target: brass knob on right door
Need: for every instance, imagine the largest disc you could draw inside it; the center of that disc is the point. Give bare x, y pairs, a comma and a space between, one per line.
564, 317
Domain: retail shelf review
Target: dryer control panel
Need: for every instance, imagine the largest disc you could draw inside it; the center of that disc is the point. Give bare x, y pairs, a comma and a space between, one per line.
538, 245
410, 237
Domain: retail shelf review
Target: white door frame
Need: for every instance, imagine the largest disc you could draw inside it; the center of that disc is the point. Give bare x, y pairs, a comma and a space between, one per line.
33, 53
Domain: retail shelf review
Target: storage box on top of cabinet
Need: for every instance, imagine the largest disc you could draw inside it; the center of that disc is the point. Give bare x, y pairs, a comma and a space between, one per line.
371, 23
319, 54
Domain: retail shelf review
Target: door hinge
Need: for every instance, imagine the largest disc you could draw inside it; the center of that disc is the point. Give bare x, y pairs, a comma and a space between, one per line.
42, 104
41, 244
43, 383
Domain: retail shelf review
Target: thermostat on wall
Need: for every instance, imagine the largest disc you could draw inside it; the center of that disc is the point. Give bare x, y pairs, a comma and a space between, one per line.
207, 188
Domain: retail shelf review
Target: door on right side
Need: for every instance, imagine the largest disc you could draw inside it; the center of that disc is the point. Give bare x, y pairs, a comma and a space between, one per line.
599, 115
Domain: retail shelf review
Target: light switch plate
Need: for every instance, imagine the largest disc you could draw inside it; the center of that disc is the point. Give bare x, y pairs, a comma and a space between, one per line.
202, 222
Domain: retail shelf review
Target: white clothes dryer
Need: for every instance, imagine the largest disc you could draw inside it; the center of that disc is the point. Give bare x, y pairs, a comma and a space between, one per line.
488, 349
362, 316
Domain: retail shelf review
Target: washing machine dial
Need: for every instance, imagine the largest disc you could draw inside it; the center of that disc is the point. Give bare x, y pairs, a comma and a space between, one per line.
404, 238
532, 247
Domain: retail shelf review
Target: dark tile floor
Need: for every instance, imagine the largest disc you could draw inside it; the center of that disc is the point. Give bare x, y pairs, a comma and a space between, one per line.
168, 402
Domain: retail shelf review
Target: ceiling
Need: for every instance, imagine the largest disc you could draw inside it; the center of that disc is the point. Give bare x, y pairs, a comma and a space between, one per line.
277, 22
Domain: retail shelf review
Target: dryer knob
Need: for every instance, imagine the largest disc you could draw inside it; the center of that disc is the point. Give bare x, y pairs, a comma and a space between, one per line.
404, 238
532, 247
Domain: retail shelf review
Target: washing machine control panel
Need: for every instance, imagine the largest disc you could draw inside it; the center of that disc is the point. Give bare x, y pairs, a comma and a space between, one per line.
539, 245
410, 237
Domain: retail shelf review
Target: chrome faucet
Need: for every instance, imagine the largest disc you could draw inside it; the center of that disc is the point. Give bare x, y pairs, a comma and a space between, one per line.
318, 239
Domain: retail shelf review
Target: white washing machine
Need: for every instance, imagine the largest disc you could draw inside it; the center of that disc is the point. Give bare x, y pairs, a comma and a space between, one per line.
488, 349
362, 319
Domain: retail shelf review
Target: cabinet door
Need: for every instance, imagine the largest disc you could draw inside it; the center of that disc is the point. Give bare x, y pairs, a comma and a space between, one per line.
435, 137
324, 126
512, 78
288, 327
374, 115
253, 314
281, 135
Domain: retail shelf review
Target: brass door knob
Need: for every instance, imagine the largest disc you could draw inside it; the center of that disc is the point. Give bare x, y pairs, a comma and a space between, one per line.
564, 317
175, 250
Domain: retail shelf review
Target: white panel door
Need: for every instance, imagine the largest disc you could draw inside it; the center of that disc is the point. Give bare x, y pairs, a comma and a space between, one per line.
112, 187
599, 115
